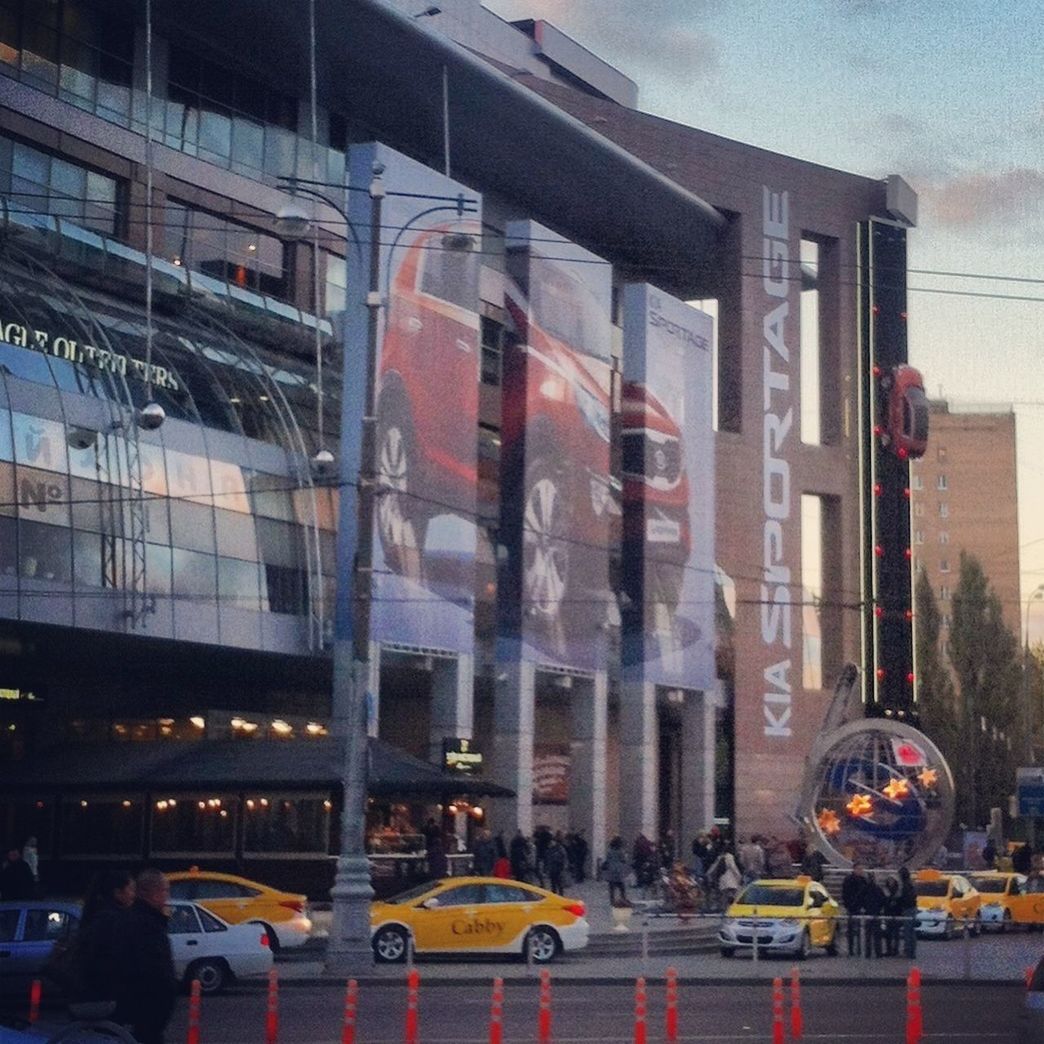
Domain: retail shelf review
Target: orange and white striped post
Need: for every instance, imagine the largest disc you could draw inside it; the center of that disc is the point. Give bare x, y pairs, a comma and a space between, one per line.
351, 1001
640, 1032
35, 990
272, 1008
412, 991
496, 1013
797, 1022
192, 1037
544, 1026
672, 1006
777, 1011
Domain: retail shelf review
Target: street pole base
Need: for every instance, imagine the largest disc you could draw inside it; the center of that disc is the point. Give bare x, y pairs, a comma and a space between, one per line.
348, 950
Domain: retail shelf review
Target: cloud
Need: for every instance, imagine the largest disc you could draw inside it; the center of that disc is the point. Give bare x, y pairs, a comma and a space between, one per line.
1010, 197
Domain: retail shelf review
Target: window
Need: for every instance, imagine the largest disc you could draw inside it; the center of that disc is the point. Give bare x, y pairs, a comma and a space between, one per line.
944, 593
449, 269
183, 920
940, 454
336, 296
506, 893
918, 510
278, 824
225, 250
38, 181
9, 924
46, 925
947, 621
211, 889
944, 565
194, 824
944, 509
944, 536
462, 895
919, 536
210, 922
916, 482
102, 826
810, 361
941, 483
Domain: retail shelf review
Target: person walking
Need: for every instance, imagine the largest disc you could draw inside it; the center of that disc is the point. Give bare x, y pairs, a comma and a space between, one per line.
853, 894
873, 908
97, 945
541, 841
908, 911
576, 847
615, 871
892, 913
812, 863
16, 879
751, 858
555, 863
146, 985
725, 872
519, 855
484, 854
438, 864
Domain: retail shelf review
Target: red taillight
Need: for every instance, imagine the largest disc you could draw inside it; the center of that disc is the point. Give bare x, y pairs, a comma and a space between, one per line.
293, 904
576, 909
264, 940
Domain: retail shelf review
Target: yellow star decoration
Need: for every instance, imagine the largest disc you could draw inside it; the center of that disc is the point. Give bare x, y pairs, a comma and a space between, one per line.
828, 821
928, 777
860, 805
897, 788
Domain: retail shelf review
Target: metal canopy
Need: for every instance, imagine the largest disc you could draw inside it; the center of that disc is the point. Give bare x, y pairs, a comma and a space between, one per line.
385, 70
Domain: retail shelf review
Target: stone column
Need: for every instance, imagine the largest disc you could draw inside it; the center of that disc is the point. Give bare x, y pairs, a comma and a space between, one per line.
514, 709
587, 782
697, 782
639, 761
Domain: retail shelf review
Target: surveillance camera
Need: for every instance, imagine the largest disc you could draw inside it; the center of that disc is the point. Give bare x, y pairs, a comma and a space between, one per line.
151, 416
80, 438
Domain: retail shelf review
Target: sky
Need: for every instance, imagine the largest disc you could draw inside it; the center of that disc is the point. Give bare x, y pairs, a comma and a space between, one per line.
947, 93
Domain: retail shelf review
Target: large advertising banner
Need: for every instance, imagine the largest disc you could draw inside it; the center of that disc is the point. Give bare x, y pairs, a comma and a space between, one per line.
557, 498
424, 445
667, 452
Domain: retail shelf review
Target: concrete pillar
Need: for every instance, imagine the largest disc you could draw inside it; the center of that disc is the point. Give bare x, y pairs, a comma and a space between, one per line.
697, 761
452, 702
587, 783
514, 709
639, 761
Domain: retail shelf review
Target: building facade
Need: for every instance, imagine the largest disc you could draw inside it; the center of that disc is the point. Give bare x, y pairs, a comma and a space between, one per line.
633, 605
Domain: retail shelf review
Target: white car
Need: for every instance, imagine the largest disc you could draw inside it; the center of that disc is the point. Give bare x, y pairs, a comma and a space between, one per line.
214, 951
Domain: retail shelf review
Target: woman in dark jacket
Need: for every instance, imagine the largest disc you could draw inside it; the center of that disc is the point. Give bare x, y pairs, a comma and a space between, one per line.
98, 942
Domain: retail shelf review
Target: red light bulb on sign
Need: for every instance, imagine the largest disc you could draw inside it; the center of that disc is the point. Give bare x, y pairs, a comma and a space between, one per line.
879, 550
876, 371
879, 611
908, 553
908, 614
902, 453
877, 489
910, 677
881, 672
906, 492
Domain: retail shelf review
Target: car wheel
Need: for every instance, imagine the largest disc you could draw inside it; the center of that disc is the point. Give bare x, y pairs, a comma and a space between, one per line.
541, 944
545, 542
212, 974
402, 517
390, 945
804, 947
727, 952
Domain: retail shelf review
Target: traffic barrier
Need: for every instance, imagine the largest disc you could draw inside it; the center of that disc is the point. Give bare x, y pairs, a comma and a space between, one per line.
777, 1010
412, 989
640, 1036
193, 1013
914, 1017
351, 1001
35, 989
544, 1027
797, 1022
496, 1013
672, 1006
272, 1009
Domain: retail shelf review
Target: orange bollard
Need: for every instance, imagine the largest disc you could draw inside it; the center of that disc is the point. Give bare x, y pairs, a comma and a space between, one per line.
496, 1013
412, 989
777, 1011
672, 1006
639, 1011
351, 999
914, 1016
272, 1010
34, 1000
544, 1028
797, 1022
193, 1014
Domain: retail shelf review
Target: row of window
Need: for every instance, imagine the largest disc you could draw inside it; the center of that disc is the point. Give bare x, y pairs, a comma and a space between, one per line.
943, 508
944, 536
941, 482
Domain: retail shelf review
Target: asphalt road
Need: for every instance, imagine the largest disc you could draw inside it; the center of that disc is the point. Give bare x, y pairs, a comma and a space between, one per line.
458, 1014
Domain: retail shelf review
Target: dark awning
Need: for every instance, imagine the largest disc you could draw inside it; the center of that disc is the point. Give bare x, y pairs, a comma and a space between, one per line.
232, 765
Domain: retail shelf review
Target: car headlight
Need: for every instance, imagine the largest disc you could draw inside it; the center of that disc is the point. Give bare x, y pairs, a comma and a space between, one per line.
790, 922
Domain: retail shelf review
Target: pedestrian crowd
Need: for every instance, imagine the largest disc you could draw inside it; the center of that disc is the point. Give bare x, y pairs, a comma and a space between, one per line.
881, 915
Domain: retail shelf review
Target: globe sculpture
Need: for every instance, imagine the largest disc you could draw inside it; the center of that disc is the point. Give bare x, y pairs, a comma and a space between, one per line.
877, 792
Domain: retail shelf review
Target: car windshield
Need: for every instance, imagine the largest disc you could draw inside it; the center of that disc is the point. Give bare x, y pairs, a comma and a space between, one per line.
932, 889
413, 893
988, 884
764, 895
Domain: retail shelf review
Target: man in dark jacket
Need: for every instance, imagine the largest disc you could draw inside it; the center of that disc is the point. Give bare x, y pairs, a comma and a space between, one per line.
146, 984
16, 879
873, 907
853, 897
908, 908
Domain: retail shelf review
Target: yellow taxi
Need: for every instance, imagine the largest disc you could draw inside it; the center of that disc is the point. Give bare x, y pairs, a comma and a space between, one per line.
944, 903
1001, 894
478, 915
283, 915
784, 915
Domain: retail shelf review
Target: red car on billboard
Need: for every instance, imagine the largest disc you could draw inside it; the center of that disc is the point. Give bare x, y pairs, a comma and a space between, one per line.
427, 404
656, 525
906, 434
